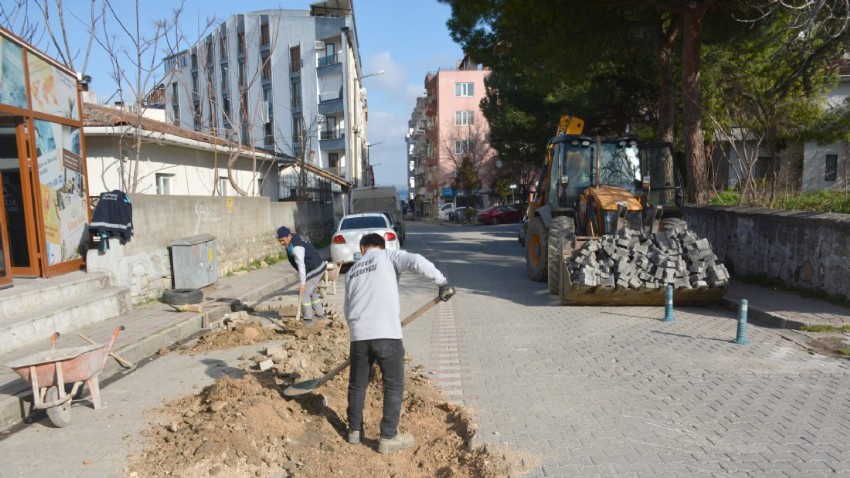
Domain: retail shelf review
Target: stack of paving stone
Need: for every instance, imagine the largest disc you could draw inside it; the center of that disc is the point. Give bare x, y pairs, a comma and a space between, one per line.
636, 260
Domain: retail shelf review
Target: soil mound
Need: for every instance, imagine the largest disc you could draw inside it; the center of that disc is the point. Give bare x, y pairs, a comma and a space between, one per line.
245, 427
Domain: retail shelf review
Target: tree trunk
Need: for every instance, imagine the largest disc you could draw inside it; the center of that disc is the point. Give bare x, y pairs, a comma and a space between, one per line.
694, 137
664, 41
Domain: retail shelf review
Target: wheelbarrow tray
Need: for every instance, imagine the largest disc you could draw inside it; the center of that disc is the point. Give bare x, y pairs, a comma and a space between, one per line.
78, 364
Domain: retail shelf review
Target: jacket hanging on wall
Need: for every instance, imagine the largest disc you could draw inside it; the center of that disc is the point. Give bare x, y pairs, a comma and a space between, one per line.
113, 216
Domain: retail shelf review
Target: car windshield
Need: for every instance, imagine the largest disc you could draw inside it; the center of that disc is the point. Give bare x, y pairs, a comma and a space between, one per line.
363, 222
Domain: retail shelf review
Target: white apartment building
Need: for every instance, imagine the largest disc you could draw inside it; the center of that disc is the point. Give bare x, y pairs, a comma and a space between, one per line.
287, 81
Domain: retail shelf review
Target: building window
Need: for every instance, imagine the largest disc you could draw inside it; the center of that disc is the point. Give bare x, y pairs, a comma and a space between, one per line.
831, 167
222, 185
464, 118
265, 37
163, 184
333, 160
330, 57
268, 134
329, 128
463, 146
240, 43
241, 73
295, 92
464, 89
762, 167
267, 67
175, 103
297, 129
295, 59
223, 44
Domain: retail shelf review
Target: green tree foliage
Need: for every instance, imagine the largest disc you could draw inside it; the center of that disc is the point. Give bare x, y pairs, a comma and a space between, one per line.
466, 178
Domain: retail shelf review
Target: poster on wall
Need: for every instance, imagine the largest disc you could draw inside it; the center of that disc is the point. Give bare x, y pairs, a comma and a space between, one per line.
53, 91
12, 85
62, 190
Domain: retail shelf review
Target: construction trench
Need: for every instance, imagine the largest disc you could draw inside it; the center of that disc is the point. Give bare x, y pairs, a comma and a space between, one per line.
244, 426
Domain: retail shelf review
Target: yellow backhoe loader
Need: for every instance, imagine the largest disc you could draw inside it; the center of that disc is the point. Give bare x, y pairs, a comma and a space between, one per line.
610, 192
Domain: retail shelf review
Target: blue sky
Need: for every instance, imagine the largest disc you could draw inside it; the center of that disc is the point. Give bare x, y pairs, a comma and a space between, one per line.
405, 38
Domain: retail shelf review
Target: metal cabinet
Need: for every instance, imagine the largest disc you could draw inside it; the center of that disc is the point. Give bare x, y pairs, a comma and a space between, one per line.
194, 262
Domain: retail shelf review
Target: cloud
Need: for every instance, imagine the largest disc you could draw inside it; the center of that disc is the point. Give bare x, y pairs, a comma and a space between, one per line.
393, 85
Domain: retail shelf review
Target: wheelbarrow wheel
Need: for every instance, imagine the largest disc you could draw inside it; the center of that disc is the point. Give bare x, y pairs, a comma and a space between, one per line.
60, 415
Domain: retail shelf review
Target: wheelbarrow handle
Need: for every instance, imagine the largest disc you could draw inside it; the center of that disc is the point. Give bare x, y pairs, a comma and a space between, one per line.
111, 343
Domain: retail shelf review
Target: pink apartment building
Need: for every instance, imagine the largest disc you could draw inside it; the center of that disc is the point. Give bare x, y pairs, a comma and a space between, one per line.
446, 126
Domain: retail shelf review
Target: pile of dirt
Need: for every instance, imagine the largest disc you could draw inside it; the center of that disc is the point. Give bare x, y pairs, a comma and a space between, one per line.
243, 333
245, 427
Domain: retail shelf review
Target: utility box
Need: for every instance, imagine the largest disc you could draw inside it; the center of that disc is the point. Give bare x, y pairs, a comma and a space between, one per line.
194, 262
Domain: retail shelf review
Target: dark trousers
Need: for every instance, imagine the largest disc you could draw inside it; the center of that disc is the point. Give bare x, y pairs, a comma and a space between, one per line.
389, 353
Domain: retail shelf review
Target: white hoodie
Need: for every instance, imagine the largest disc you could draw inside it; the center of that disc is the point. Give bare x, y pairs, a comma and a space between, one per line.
372, 306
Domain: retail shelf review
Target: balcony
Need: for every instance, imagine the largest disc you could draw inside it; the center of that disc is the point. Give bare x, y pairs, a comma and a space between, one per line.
330, 103
336, 170
328, 60
332, 140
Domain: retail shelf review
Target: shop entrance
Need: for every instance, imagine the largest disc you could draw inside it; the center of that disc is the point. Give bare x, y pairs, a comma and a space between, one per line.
17, 224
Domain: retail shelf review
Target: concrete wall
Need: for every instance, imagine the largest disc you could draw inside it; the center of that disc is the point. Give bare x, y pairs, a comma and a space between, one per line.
244, 228
803, 249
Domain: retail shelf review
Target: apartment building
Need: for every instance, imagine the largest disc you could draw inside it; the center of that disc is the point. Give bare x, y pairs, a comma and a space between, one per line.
447, 127
288, 81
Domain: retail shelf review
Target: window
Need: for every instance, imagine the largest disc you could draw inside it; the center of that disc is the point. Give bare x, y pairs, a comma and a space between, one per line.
831, 167
463, 146
175, 98
296, 129
241, 73
464, 89
268, 134
240, 45
267, 67
222, 185
464, 118
295, 59
333, 160
163, 184
176, 108
295, 92
762, 167
223, 44
265, 38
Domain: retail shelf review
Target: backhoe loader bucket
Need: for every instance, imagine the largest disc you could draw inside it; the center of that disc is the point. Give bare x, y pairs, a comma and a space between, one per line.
576, 294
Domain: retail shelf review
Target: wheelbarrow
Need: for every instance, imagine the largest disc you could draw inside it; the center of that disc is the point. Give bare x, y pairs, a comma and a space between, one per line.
48, 372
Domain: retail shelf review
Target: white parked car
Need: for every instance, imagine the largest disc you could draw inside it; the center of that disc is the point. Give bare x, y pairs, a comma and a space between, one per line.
346, 240
445, 209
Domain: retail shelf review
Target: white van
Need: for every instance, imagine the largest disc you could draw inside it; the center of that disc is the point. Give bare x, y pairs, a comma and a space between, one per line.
445, 209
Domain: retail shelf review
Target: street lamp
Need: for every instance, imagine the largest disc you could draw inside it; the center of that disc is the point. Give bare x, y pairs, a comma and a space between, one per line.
379, 72
369, 164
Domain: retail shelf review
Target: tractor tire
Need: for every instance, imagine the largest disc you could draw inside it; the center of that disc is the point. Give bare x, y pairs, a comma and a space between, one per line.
671, 222
536, 245
182, 296
562, 231
59, 415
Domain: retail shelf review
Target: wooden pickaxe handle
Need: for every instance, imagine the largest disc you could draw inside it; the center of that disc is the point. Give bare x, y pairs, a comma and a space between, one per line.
117, 357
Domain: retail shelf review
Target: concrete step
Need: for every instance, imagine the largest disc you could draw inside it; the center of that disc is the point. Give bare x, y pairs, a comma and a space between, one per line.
62, 314
30, 294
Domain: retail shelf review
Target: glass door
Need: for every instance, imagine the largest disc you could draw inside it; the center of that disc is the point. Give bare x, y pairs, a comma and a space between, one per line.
19, 237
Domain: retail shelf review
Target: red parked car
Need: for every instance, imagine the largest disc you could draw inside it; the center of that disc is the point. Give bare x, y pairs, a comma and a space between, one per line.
500, 215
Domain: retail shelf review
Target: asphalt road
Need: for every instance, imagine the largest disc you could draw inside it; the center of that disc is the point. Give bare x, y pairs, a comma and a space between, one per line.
579, 391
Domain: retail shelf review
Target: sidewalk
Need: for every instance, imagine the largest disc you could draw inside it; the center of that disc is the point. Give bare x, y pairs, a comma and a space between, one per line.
774, 308
148, 328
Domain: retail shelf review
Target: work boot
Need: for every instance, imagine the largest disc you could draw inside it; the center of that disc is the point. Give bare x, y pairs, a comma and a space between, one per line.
399, 442
308, 324
354, 437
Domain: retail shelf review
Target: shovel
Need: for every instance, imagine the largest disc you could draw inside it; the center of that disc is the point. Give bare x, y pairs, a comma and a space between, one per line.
308, 386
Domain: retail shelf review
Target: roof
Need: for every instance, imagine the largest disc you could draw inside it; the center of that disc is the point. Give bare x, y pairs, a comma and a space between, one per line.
318, 172
99, 115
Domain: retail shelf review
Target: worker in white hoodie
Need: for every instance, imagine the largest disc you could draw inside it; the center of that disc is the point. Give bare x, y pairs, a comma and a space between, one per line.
372, 309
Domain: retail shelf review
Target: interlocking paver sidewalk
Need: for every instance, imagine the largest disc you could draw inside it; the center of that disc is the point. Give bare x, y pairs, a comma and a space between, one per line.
782, 309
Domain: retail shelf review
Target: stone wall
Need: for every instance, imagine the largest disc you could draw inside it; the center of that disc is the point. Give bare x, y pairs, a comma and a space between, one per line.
244, 228
802, 249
